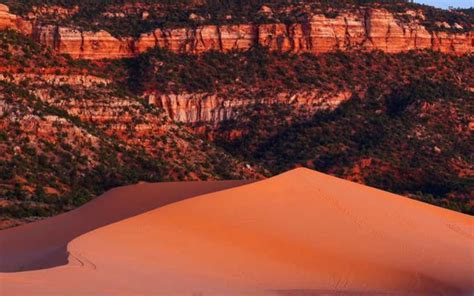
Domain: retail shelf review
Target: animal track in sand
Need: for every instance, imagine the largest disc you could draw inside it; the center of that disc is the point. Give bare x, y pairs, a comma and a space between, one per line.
462, 230
83, 261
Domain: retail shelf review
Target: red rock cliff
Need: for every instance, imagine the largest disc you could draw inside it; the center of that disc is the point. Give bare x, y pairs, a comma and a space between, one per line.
11, 21
212, 108
86, 45
368, 29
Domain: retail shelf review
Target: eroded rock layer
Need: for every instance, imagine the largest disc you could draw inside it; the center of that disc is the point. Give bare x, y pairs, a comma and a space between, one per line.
368, 29
12, 21
212, 108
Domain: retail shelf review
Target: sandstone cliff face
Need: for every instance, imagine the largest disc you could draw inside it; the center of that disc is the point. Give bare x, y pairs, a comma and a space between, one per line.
7, 20
200, 39
84, 45
370, 29
212, 108
11, 21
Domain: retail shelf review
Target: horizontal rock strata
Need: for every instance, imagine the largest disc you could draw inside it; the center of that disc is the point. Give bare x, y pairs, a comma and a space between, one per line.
212, 108
370, 29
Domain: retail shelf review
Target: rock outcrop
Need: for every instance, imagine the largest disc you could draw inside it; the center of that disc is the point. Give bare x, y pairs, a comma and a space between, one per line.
367, 29
7, 20
85, 45
12, 21
370, 29
373, 29
212, 108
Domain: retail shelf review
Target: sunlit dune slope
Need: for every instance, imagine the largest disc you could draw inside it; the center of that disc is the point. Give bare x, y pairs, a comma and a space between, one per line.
43, 244
300, 233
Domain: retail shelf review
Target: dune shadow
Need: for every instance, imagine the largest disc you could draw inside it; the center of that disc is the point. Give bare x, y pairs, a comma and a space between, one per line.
43, 259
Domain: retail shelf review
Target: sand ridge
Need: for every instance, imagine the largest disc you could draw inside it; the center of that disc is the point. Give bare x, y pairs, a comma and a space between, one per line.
299, 233
43, 244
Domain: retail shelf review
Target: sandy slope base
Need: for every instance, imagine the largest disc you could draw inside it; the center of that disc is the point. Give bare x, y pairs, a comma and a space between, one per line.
300, 233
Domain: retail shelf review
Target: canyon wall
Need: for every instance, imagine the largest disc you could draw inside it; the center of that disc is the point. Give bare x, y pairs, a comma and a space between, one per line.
212, 108
370, 29
374, 29
367, 29
84, 45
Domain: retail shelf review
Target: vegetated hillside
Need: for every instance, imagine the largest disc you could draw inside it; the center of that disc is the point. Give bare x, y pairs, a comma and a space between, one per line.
406, 128
67, 135
130, 18
72, 128
408, 131
262, 72
413, 141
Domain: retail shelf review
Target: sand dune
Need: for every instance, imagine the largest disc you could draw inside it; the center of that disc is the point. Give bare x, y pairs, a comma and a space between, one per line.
43, 244
300, 233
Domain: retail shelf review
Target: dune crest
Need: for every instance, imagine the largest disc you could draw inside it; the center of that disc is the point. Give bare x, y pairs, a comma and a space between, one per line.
299, 233
43, 244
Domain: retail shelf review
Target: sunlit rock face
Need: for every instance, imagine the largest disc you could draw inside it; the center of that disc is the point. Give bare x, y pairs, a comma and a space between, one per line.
84, 45
365, 29
212, 108
11, 21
